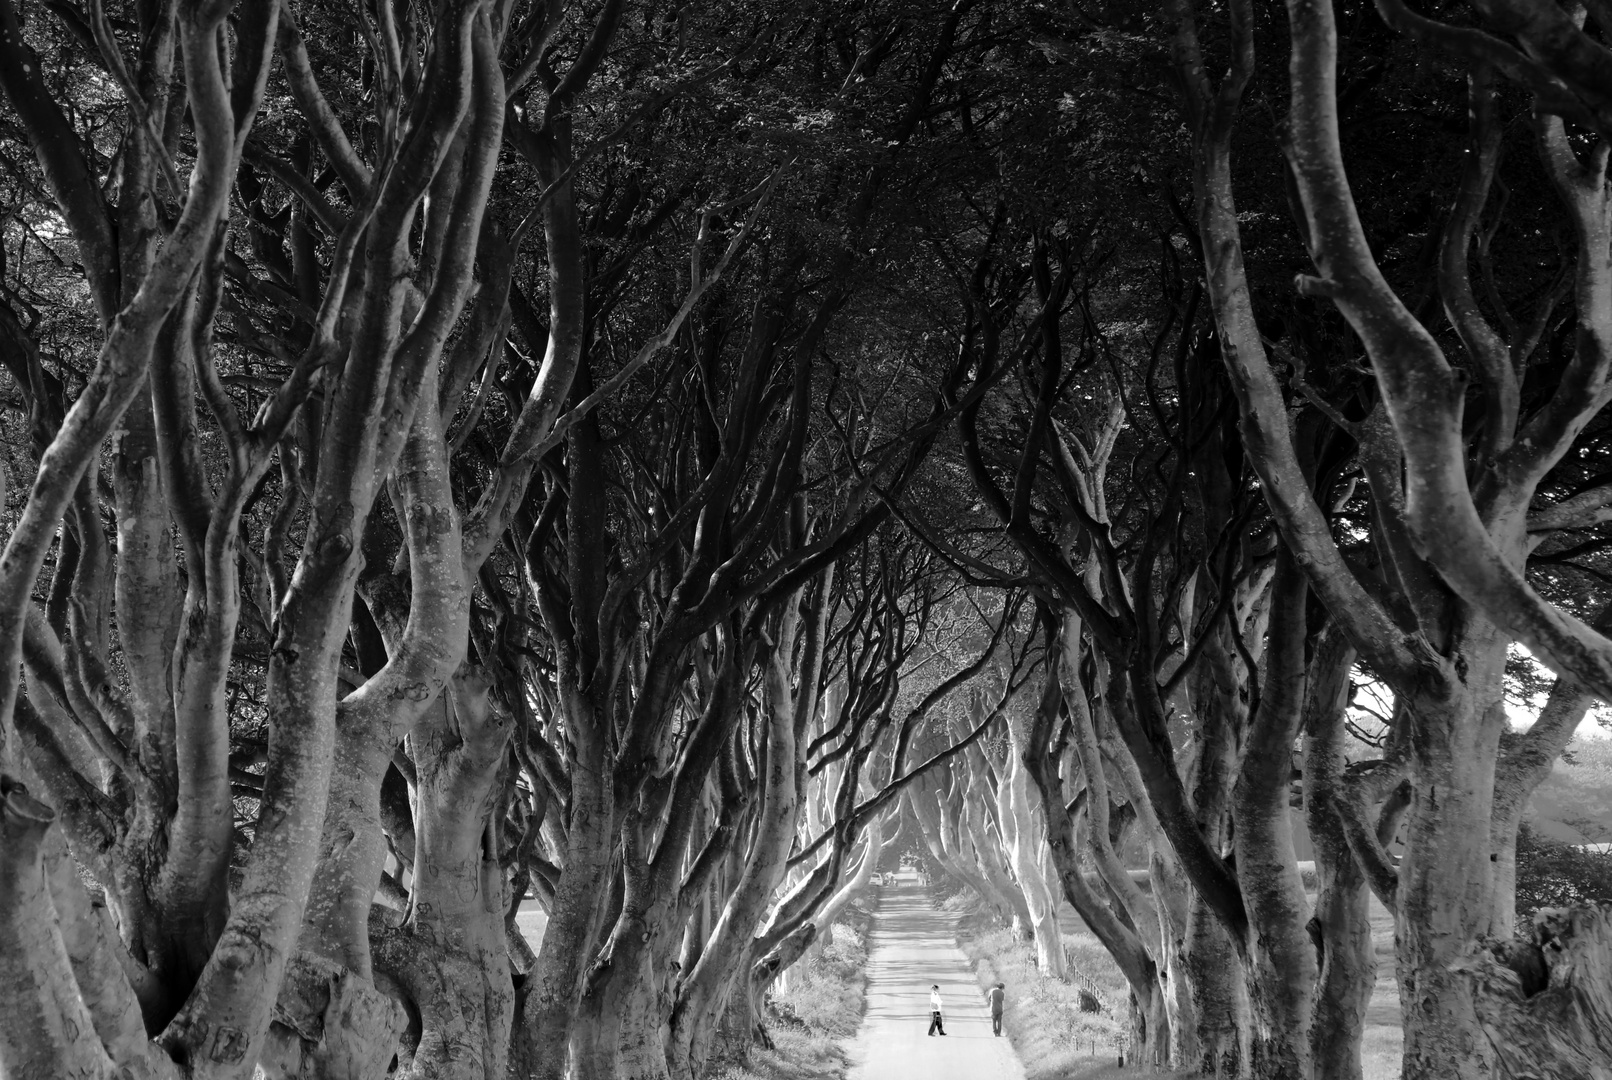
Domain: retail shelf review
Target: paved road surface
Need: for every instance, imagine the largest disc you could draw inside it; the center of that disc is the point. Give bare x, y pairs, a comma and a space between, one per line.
913, 948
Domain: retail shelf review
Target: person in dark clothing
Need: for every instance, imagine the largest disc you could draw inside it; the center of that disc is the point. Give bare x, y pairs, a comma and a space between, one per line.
995, 995
935, 1019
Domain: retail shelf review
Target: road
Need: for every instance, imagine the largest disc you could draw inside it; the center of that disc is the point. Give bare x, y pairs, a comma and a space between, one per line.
913, 947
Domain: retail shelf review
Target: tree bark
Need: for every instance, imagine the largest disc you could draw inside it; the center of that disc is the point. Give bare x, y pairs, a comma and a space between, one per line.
1446, 878
1133, 952
1281, 960
47, 1027
708, 986
1341, 925
1219, 994
544, 1029
1543, 1002
459, 978
1024, 835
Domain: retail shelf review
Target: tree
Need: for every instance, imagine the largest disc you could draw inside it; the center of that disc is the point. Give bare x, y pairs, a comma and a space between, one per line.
1437, 637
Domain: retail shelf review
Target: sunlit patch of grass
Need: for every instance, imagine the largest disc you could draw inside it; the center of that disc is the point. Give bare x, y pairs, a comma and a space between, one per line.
1380, 1053
1381, 1044
1383, 1038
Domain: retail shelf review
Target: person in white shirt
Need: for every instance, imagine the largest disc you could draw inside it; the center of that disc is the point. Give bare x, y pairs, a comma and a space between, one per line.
935, 1023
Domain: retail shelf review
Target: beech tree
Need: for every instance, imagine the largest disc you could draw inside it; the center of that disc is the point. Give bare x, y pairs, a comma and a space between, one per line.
1453, 544
566, 575
1333, 465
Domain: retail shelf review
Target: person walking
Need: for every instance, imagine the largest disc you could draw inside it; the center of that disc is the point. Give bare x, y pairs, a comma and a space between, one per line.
935, 1019
995, 995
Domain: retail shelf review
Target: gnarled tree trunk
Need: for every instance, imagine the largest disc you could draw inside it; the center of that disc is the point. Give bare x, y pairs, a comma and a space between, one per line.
1544, 1002
1341, 925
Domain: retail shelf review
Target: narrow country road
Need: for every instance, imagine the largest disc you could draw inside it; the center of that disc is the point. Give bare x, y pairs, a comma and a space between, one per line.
912, 949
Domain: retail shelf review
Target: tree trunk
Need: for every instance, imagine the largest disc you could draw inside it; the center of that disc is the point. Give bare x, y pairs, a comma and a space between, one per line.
47, 1028
856, 882
1173, 895
1281, 960
712, 982
459, 978
806, 939
1544, 1002
1150, 1034
421, 656
1341, 928
921, 798
1024, 835
1217, 973
329, 1024
973, 843
1445, 897
543, 1036
1219, 994
643, 1029
1341, 925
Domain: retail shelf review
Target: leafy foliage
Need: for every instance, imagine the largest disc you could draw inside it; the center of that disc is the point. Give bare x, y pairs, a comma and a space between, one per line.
1551, 874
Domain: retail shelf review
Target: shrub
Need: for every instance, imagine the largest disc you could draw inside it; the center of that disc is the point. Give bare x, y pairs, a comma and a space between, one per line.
1553, 874
826, 996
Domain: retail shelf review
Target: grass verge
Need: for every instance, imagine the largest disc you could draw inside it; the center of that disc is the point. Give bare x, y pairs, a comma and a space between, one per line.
819, 1010
1061, 1030
1054, 1041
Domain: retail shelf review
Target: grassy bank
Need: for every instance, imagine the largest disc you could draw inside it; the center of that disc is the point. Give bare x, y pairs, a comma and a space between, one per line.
1061, 1030
1054, 1037
820, 1009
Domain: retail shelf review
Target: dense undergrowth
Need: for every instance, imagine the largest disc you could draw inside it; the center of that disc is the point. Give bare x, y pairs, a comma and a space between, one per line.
811, 1019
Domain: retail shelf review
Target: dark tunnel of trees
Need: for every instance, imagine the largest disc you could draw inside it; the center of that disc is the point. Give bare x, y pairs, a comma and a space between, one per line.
643, 458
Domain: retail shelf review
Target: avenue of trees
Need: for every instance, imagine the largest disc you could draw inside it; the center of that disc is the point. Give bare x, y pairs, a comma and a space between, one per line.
646, 458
